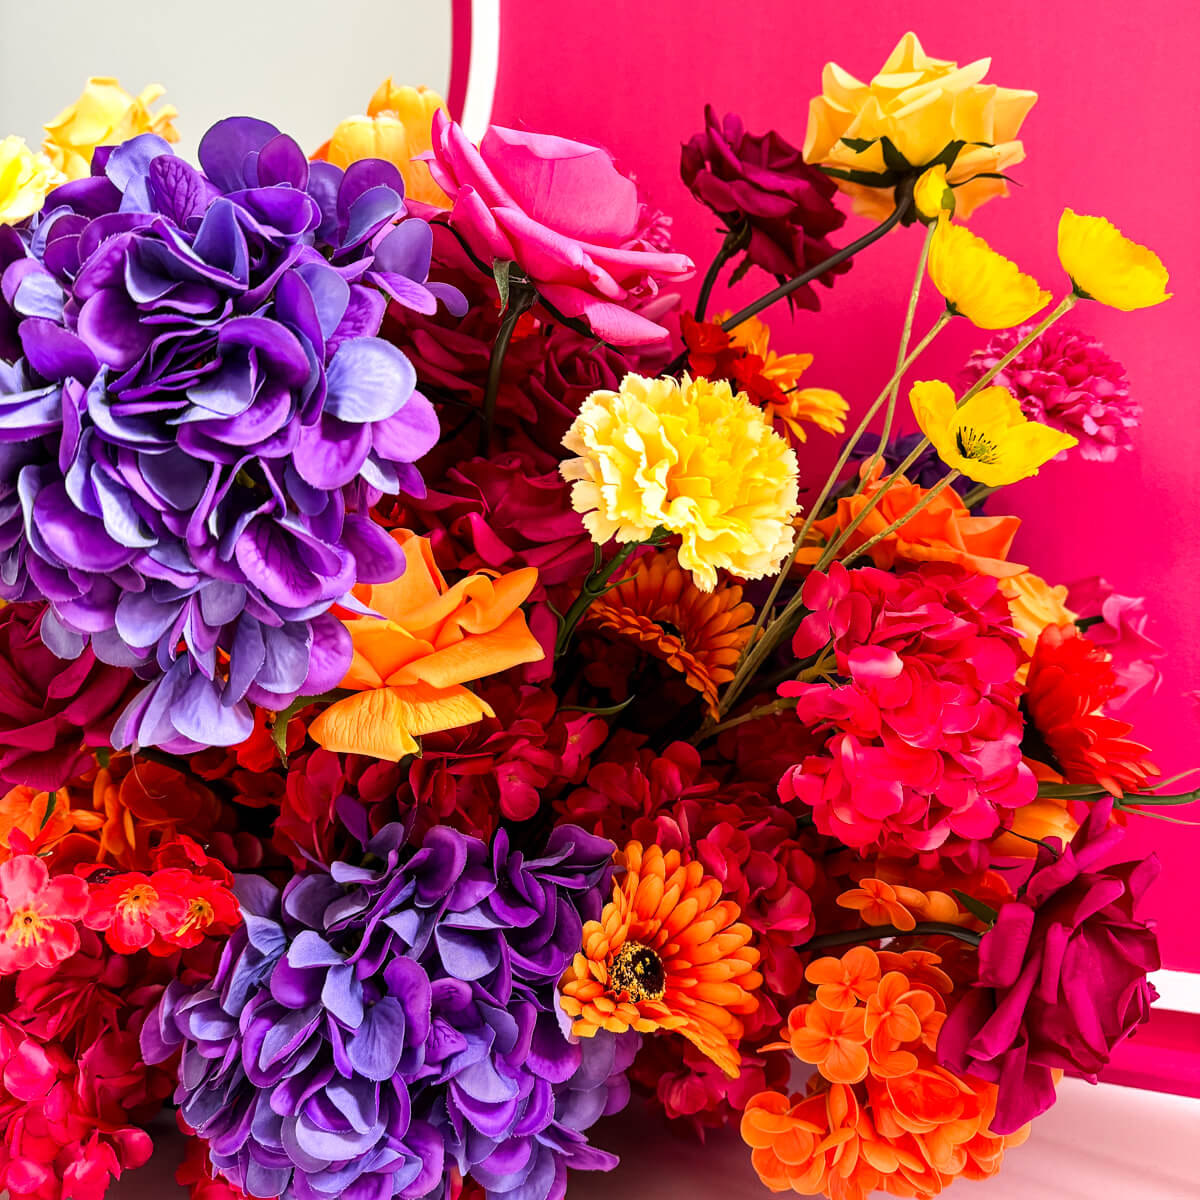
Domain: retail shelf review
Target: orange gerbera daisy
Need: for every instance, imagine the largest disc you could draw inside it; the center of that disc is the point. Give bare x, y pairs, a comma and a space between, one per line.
411, 661
700, 634
666, 953
943, 531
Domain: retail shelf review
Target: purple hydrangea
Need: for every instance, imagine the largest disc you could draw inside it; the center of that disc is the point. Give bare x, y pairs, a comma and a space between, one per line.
374, 1026
198, 415
1067, 380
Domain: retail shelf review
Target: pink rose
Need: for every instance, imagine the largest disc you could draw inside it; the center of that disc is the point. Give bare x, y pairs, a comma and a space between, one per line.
566, 216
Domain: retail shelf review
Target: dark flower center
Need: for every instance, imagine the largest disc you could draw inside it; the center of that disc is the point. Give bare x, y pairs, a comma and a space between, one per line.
637, 970
974, 445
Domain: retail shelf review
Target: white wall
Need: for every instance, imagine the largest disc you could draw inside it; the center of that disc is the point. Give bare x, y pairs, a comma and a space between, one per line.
302, 64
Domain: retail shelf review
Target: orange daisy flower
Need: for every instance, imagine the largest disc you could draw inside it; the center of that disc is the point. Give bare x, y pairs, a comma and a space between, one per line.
666, 953
700, 634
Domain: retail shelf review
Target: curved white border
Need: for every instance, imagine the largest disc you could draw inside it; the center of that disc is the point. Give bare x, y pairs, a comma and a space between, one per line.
485, 65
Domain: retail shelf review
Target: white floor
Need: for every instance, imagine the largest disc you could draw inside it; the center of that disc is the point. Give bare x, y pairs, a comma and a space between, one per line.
1097, 1143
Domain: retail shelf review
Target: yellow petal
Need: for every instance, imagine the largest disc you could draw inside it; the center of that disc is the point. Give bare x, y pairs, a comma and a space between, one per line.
1107, 266
370, 723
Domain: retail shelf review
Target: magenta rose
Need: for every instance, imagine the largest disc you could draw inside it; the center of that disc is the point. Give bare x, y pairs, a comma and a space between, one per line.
566, 216
760, 184
1062, 975
53, 709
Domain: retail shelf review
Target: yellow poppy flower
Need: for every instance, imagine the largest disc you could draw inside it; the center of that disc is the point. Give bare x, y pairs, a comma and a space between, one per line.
1107, 266
989, 439
979, 284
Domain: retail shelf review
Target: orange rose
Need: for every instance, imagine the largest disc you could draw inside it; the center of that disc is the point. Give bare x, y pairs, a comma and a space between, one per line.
943, 531
411, 662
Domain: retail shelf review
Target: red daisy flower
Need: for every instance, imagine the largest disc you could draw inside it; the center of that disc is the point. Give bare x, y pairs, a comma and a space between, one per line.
1070, 681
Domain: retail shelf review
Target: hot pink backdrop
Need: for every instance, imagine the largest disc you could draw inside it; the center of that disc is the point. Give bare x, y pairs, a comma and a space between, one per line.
1113, 133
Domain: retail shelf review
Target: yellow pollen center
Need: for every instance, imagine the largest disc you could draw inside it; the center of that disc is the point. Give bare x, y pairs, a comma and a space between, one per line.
638, 971
200, 915
26, 927
138, 899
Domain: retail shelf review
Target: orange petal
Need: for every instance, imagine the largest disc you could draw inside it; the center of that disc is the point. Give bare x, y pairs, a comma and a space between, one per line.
369, 723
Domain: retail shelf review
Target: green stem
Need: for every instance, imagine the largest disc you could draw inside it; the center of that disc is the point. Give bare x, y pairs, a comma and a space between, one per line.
735, 240
856, 937
903, 205
520, 301
763, 710
979, 493
594, 586
905, 335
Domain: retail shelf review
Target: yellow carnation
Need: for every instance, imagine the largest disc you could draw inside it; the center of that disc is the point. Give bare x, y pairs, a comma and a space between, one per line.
1107, 266
988, 438
25, 178
690, 457
979, 284
104, 115
922, 105
397, 127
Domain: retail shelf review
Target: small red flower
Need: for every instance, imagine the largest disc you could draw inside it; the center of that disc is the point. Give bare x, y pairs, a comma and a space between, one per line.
37, 914
134, 914
1070, 681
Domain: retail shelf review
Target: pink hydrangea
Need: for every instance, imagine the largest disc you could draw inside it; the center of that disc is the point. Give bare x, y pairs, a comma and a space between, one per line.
1067, 380
924, 732
1117, 624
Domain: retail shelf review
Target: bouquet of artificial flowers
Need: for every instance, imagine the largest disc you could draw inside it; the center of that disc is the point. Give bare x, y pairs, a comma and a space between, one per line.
429, 715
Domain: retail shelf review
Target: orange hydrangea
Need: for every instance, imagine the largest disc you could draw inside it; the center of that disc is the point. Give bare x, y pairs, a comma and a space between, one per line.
666, 954
881, 1114
412, 660
943, 531
700, 634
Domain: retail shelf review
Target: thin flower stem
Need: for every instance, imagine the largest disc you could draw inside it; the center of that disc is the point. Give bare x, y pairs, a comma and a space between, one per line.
905, 335
735, 240
979, 493
856, 937
763, 710
520, 301
1068, 302
594, 586
938, 487
903, 204
757, 651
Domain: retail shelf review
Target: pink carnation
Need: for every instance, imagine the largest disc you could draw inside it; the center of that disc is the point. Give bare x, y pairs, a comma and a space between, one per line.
924, 730
565, 215
1067, 380
1118, 625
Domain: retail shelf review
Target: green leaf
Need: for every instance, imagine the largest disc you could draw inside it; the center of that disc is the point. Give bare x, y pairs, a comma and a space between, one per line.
858, 145
949, 153
976, 908
893, 158
283, 719
501, 268
51, 801
611, 711
879, 179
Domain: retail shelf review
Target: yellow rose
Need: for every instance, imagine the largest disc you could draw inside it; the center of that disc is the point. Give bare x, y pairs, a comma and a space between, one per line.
929, 110
397, 127
105, 115
25, 178
1034, 604
1107, 266
979, 284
